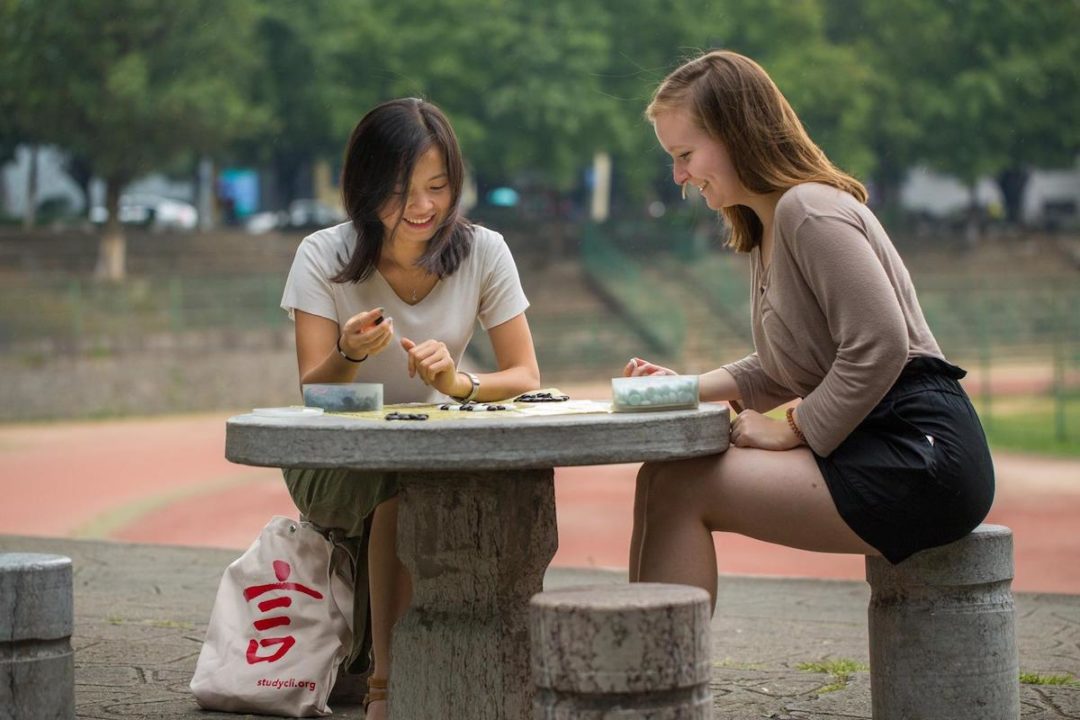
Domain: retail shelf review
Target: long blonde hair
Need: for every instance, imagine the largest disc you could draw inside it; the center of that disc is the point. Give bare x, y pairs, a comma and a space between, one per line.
735, 101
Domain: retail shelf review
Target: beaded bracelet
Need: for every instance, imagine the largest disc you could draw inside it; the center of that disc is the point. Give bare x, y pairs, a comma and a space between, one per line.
795, 428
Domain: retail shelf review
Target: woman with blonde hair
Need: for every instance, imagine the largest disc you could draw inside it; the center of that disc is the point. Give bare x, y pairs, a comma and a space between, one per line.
883, 454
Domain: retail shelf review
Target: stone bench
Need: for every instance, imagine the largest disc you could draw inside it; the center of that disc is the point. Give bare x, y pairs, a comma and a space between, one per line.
942, 631
632, 652
941, 625
37, 666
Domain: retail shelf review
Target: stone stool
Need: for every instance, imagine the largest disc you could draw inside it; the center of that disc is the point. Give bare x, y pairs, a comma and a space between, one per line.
37, 665
621, 652
942, 632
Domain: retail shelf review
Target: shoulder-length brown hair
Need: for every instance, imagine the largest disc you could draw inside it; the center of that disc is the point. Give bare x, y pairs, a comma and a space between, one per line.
735, 101
379, 161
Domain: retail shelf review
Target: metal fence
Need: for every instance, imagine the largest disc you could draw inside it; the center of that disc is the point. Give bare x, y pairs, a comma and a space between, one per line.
1019, 337
84, 316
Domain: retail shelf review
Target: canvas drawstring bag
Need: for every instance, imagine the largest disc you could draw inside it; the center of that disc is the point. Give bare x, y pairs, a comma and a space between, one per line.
281, 626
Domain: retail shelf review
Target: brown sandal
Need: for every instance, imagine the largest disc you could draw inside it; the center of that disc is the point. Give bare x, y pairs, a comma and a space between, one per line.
376, 691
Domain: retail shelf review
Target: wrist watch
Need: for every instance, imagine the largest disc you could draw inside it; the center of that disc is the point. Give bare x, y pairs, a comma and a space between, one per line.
475, 388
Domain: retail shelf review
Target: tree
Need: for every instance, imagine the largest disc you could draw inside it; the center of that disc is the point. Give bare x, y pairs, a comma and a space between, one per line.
20, 100
974, 89
296, 87
823, 80
130, 85
521, 81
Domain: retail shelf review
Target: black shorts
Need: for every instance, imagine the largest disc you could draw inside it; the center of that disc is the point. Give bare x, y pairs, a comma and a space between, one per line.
916, 473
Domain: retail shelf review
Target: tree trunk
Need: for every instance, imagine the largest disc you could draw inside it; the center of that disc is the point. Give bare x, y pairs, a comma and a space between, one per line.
81, 173
1012, 181
111, 251
204, 193
972, 225
293, 178
30, 212
888, 179
5, 199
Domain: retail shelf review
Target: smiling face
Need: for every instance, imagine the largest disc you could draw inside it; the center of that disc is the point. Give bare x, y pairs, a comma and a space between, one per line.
415, 212
699, 159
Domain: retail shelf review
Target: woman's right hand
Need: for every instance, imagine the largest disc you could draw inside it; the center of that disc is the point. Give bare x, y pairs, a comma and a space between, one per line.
638, 367
366, 333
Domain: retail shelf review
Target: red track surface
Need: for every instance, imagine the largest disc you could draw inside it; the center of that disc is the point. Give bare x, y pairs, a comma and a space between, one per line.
166, 481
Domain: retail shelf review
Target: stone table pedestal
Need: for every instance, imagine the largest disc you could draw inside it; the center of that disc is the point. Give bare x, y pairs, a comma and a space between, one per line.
476, 528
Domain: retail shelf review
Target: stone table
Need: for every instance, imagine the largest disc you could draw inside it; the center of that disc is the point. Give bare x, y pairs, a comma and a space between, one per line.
476, 528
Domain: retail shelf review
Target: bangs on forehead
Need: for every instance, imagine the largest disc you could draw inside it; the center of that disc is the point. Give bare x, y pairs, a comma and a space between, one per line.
410, 163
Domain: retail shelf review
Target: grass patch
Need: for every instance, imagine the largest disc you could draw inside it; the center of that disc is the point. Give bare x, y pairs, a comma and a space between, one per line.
1028, 678
840, 669
729, 664
1031, 425
168, 624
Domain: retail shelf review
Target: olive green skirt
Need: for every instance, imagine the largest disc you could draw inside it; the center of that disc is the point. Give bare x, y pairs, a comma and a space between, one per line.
341, 502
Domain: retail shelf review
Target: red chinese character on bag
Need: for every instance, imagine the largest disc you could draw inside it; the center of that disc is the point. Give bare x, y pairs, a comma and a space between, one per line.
285, 643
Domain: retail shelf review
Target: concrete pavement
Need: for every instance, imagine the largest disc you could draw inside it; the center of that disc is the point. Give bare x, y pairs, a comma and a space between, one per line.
141, 613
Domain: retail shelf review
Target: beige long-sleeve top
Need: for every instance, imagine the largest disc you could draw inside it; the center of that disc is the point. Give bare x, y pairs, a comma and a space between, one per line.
835, 317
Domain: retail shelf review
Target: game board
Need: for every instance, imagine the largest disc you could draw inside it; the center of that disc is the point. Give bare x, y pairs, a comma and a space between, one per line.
505, 408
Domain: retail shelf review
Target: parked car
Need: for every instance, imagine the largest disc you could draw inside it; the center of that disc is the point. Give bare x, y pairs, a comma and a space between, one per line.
306, 214
152, 211
313, 214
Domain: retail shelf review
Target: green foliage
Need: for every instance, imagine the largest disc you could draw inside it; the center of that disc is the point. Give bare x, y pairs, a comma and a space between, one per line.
841, 671
1029, 424
1028, 678
132, 84
521, 81
971, 88
534, 89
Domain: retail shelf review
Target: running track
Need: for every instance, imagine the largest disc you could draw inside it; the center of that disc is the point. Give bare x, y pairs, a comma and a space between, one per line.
165, 480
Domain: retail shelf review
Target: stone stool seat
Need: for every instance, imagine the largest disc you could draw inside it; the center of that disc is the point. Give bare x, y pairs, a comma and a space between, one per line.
37, 665
942, 631
631, 652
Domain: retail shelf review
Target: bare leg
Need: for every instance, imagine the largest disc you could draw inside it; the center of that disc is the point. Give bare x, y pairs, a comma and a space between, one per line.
779, 497
641, 496
391, 591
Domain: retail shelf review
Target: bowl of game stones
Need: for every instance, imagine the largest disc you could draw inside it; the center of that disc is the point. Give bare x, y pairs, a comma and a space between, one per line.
654, 392
344, 397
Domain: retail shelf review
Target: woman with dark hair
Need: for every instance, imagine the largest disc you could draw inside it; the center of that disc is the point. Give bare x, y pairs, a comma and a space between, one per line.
392, 296
884, 454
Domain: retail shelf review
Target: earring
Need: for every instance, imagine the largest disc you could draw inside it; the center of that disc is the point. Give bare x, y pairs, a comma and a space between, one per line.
684, 190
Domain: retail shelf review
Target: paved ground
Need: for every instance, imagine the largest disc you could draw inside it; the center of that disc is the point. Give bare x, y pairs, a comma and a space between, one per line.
141, 609
141, 613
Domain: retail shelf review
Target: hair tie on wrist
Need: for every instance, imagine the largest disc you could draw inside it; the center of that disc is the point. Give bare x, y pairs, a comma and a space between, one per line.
342, 353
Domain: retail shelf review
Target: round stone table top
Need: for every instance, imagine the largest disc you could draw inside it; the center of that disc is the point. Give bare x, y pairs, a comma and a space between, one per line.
477, 443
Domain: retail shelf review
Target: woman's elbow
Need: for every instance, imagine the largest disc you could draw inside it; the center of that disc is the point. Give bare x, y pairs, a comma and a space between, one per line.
531, 377
894, 354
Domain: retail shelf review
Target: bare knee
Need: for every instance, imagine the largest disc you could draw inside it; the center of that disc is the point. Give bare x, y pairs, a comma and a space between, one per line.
388, 507
674, 489
644, 478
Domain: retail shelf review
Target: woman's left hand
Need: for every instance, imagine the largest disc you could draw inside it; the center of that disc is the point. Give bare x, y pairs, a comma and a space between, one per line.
753, 430
432, 362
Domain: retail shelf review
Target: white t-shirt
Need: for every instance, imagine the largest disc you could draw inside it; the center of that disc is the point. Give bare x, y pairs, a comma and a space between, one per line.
485, 286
